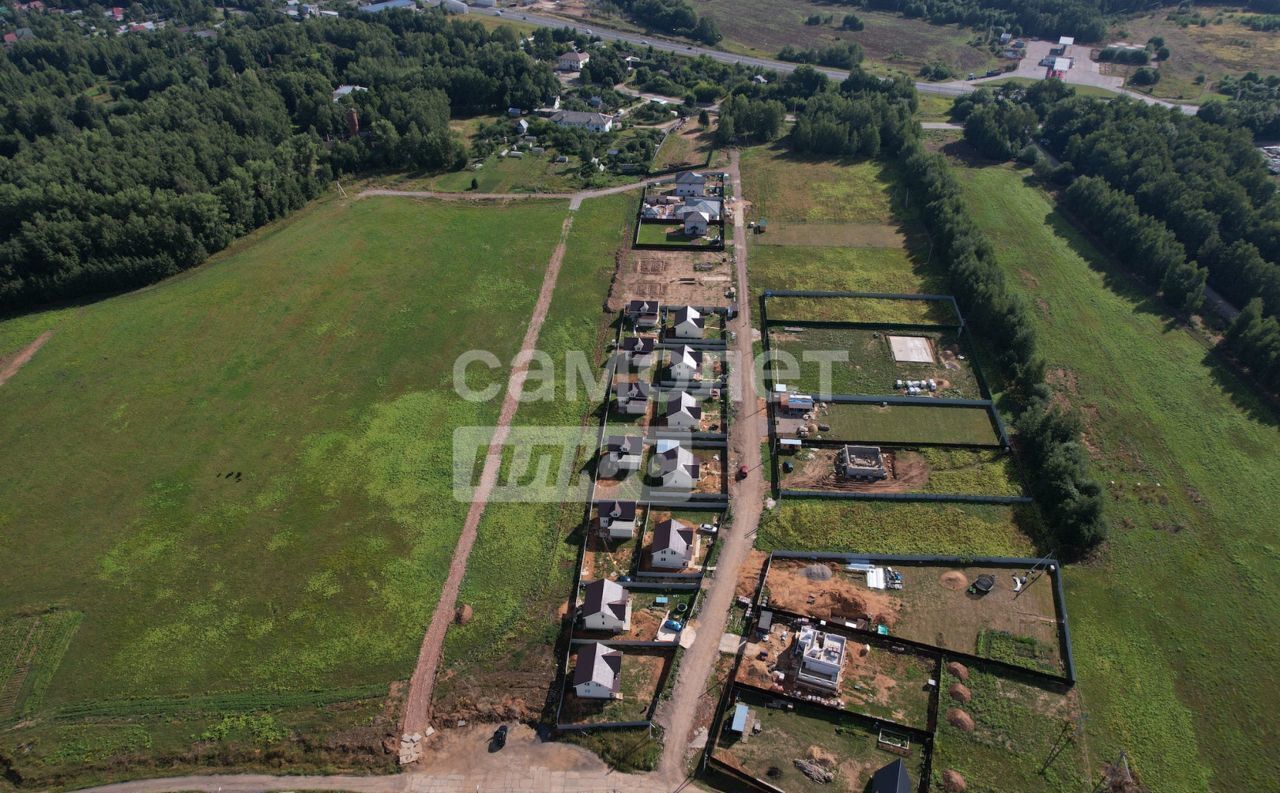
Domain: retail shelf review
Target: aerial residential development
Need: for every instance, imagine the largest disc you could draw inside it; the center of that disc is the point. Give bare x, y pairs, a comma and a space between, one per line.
494, 396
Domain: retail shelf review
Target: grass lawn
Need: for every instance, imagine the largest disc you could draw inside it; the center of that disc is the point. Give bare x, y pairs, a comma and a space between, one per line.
783, 188
1174, 624
644, 673
1023, 738
528, 174
247, 498
830, 269
521, 567
662, 234
688, 147
870, 527
794, 735
934, 107
907, 424
756, 27
869, 366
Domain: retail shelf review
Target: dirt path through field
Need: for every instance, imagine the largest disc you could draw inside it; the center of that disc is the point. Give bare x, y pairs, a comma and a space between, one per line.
10, 366
417, 713
748, 497
575, 199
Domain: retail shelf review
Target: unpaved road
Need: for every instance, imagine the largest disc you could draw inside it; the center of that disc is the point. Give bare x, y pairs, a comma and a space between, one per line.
748, 497
417, 712
10, 367
575, 199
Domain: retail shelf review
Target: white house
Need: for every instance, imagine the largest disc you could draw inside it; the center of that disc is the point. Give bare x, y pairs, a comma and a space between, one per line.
606, 606
689, 183
678, 468
821, 658
643, 313
616, 519
674, 546
621, 454
592, 122
598, 673
637, 351
696, 224
631, 398
688, 323
572, 61
346, 90
683, 411
686, 364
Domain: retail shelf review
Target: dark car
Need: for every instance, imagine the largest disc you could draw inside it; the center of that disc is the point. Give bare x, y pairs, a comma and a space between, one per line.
499, 737
742, 472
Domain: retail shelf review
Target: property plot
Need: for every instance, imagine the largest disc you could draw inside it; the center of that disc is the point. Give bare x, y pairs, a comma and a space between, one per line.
687, 146
873, 679
940, 606
837, 235
843, 269
780, 734
637, 677
864, 362
870, 310
674, 235
672, 277
907, 424
907, 470
783, 187
649, 615
1000, 734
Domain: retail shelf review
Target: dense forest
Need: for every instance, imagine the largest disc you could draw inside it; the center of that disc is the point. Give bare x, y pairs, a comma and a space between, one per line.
124, 159
1182, 201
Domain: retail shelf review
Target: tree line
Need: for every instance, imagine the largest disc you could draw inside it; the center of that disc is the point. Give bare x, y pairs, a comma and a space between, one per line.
126, 159
676, 17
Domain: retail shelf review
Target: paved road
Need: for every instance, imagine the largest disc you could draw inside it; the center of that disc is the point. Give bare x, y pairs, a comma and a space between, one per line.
748, 495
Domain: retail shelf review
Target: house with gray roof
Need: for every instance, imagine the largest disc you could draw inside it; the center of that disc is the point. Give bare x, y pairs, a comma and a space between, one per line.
674, 546
606, 606
598, 672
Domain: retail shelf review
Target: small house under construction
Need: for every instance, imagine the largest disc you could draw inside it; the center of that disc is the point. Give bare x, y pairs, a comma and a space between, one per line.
863, 463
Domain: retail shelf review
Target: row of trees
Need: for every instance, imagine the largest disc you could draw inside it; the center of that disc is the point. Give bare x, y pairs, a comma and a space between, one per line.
126, 159
841, 55
676, 17
1049, 437
1255, 339
1143, 242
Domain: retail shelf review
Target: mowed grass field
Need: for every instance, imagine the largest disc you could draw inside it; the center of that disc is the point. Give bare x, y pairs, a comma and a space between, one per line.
890, 41
909, 424
1174, 624
240, 476
521, 568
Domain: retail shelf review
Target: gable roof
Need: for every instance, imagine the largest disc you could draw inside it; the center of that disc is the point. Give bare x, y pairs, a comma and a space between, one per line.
631, 391
690, 177
690, 314
576, 57
683, 402
642, 307
605, 595
688, 355
580, 117
598, 663
674, 535
892, 778
676, 457
639, 344
618, 510
623, 444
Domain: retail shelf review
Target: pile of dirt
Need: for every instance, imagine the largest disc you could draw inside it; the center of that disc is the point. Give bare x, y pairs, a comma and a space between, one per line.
960, 693
959, 670
960, 720
952, 782
817, 572
815, 772
463, 615
838, 598
954, 580
821, 756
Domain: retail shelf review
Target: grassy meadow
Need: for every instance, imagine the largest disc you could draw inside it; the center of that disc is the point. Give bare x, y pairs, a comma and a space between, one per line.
1174, 622
521, 567
239, 476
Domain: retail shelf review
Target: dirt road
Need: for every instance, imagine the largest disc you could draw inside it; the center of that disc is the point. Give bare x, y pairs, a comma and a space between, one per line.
417, 713
747, 498
9, 367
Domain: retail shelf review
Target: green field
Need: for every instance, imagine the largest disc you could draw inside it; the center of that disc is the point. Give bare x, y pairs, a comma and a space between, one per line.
247, 502
521, 567
1174, 625
1023, 741
673, 234
908, 424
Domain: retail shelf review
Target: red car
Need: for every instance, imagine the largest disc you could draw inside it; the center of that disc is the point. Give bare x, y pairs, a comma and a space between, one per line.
742, 472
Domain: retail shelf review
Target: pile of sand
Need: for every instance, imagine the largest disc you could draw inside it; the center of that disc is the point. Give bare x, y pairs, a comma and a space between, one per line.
960, 720
463, 615
960, 693
817, 572
821, 756
952, 782
954, 580
959, 670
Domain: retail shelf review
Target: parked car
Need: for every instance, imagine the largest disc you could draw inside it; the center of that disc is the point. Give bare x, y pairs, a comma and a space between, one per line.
500, 737
742, 472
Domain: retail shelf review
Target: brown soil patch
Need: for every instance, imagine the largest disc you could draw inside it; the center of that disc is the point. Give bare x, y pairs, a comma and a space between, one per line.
1028, 280
958, 669
954, 580
10, 365
907, 471
960, 720
1064, 379
952, 782
675, 277
464, 614
822, 757
960, 693
836, 599
749, 574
